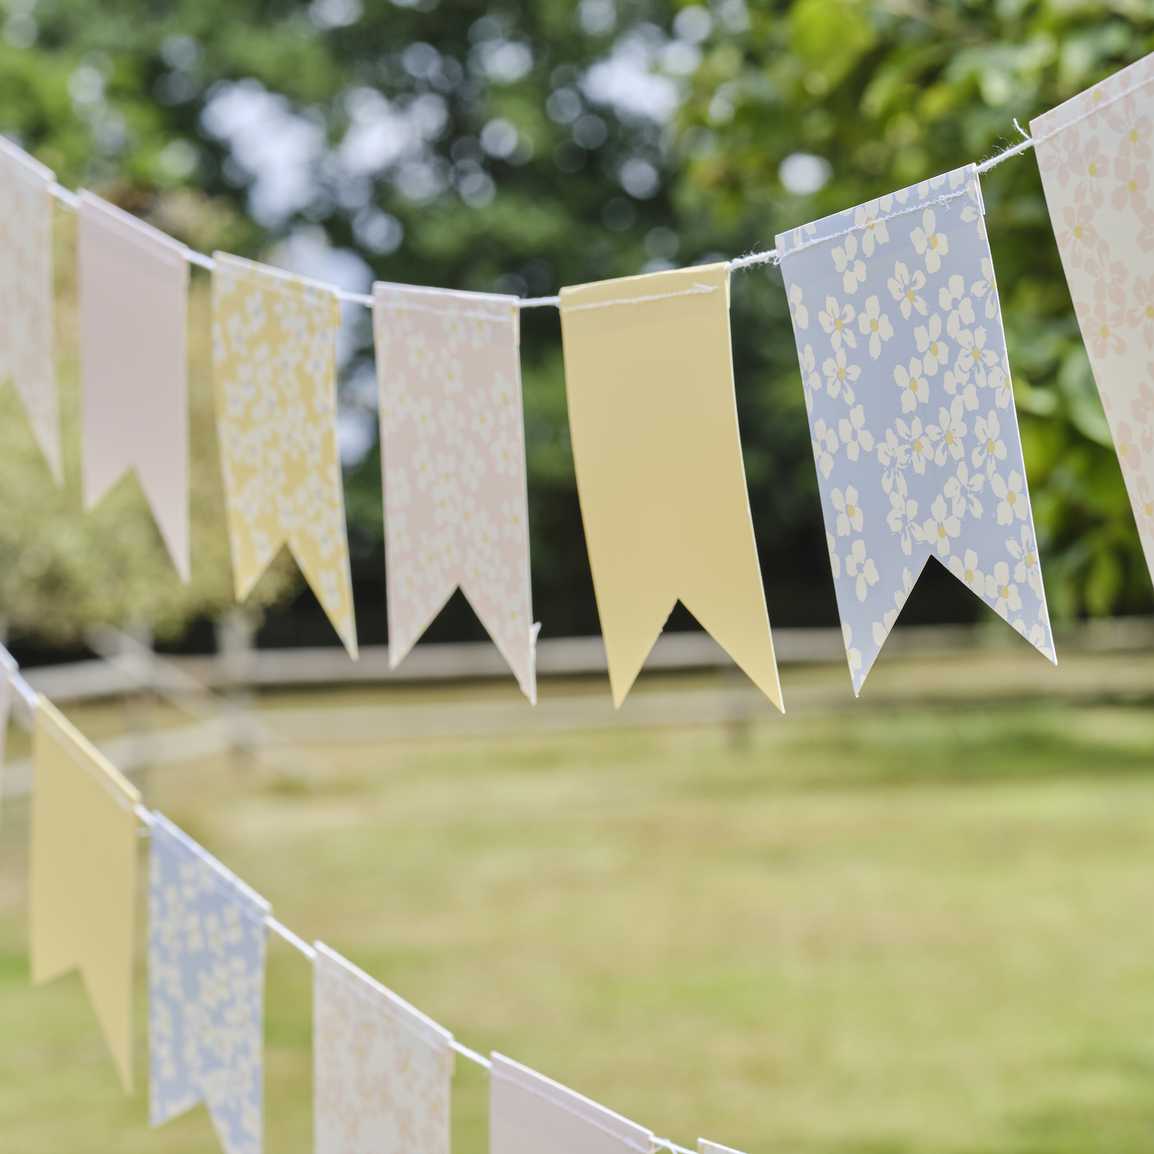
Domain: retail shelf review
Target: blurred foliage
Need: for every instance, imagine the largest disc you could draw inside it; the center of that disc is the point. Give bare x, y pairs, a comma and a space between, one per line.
517, 146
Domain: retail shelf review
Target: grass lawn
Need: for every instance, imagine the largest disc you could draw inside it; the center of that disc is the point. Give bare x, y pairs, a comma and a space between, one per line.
883, 928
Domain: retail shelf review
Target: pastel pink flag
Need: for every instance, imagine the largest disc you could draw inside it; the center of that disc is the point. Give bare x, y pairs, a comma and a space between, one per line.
27, 343
383, 1071
1096, 153
453, 466
133, 288
531, 1114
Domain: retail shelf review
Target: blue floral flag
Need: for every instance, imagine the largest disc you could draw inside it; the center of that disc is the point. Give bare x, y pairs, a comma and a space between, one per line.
206, 974
907, 385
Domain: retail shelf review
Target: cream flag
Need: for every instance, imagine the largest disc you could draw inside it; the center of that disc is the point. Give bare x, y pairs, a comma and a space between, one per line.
383, 1071
27, 346
649, 376
532, 1114
133, 287
453, 466
275, 361
83, 875
1095, 153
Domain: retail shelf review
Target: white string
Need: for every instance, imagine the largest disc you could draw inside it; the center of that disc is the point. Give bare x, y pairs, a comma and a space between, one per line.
750, 260
666, 1144
1014, 150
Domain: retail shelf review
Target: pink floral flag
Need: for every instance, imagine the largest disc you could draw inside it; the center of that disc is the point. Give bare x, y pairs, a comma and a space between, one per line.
383, 1071
453, 466
1095, 153
27, 344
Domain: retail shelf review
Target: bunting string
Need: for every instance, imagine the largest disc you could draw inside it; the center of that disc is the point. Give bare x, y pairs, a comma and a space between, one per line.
71, 200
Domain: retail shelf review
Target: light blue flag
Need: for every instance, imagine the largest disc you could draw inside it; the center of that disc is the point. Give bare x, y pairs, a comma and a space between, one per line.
907, 385
206, 976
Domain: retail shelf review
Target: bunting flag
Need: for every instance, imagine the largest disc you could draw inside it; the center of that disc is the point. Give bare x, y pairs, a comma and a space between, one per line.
529, 1113
1095, 153
275, 360
83, 875
453, 466
907, 385
383, 1071
206, 974
27, 347
133, 289
653, 418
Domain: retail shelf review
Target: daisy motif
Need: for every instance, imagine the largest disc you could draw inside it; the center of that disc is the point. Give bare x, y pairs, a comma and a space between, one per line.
912, 382
874, 326
966, 570
853, 433
930, 244
861, 567
837, 323
1011, 497
849, 513
941, 527
906, 288
849, 264
1001, 589
932, 349
840, 376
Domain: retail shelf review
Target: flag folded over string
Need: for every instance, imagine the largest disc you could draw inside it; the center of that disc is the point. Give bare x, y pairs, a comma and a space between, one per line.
383, 1071
907, 385
133, 289
275, 362
529, 1113
649, 377
83, 875
27, 343
206, 975
453, 466
1095, 153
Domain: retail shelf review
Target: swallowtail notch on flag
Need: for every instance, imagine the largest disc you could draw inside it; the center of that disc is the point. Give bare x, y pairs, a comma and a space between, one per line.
133, 290
274, 340
529, 1113
206, 974
660, 476
453, 466
383, 1071
1096, 153
907, 386
27, 343
82, 881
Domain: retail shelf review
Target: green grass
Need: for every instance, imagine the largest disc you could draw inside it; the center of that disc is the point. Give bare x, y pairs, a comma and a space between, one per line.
886, 928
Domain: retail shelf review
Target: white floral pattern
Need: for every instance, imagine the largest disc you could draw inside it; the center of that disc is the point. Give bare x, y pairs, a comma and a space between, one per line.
914, 432
383, 1071
453, 464
274, 341
1096, 154
27, 357
206, 973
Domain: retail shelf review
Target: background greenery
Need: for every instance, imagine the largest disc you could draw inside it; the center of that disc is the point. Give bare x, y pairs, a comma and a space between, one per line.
488, 144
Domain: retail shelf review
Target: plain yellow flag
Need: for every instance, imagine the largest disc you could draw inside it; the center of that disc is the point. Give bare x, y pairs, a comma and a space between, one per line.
83, 875
649, 376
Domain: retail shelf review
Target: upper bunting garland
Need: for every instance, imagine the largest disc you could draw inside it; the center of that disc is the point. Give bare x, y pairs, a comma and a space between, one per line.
649, 376
907, 386
1095, 153
896, 294
453, 466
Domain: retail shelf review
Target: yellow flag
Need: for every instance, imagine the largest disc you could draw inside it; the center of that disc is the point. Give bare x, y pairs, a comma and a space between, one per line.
649, 376
83, 875
274, 340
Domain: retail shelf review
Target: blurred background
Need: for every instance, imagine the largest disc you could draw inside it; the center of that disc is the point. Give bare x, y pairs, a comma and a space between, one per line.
914, 922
